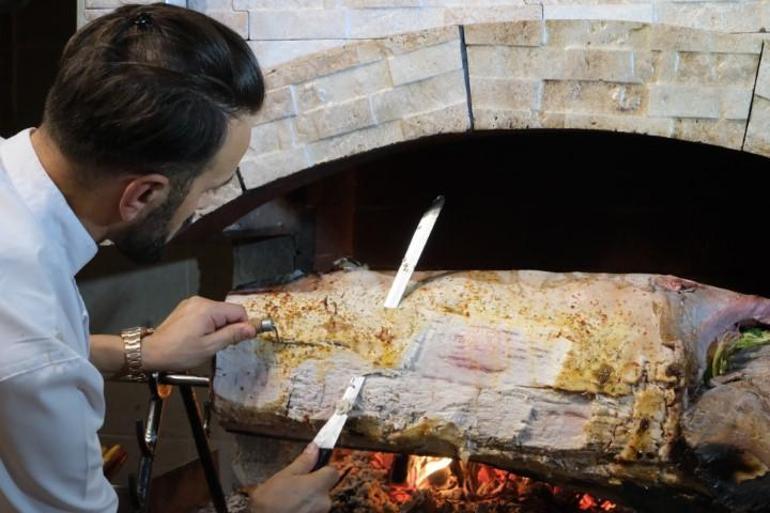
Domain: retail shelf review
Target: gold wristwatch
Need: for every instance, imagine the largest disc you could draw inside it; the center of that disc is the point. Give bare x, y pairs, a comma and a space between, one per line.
132, 346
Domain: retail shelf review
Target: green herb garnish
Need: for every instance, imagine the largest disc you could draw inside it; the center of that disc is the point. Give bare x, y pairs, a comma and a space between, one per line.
728, 347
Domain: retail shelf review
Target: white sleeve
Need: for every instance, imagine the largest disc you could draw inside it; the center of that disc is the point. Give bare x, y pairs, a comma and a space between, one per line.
50, 456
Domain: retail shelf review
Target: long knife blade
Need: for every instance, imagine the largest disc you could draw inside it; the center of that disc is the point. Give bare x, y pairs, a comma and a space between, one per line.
327, 437
413, 252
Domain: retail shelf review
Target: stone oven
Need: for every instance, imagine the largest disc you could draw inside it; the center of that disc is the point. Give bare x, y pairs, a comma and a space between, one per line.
620, 137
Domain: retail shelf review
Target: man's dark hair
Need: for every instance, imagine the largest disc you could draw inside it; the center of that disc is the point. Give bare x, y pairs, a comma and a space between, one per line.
151, 88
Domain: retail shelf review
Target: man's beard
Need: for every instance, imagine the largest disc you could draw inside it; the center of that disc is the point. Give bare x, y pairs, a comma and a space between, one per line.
145, 241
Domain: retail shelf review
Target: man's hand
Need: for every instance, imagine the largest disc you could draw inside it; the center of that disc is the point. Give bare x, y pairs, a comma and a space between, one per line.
194, 331
294, 489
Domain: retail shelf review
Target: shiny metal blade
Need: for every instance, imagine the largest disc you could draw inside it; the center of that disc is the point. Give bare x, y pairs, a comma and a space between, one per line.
330, 432
409, 263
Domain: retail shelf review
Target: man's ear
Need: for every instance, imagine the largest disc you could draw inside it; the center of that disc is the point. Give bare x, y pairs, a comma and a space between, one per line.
142, 194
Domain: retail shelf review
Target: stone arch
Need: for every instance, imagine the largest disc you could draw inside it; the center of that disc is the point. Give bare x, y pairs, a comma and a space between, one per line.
659, 80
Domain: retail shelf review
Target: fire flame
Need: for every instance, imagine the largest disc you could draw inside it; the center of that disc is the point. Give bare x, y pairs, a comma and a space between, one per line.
422, 467
473, 482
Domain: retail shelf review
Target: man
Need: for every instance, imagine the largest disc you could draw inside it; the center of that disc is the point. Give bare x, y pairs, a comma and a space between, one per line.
148, 111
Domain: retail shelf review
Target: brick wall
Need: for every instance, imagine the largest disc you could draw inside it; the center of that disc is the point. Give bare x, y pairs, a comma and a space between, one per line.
622, 76
679, 69
280, 30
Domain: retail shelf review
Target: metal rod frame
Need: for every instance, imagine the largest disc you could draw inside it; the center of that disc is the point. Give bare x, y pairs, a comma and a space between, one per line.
147, 434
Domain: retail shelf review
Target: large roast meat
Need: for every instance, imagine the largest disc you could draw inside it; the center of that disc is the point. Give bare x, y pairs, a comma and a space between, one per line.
596, 380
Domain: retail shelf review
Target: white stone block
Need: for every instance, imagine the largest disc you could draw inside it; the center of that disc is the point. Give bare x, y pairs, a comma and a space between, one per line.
471, 3
274, 136
738, 70
516, 62
469, 15
695, 67
210, 5
297, 24
344, 85
272, 53
523, 33
425, 62
371, 4
326, 63
683, 39
102, 4
112, 4
567, 96
655, 66
597, 34
355, 142
92, 14
509, 119
451, 119
258, 170
369, 23
279, 104
245, 5
334, 119
618, 12
236, 20
427, 95
717, 132
743, 16
683, 101
661, 127
595, 64
506, 93
736, 103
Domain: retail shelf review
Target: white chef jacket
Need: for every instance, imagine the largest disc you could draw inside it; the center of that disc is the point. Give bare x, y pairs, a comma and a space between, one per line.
51, 396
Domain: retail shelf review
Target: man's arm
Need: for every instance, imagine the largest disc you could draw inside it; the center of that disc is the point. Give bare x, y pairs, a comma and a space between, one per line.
192, 334
107, 354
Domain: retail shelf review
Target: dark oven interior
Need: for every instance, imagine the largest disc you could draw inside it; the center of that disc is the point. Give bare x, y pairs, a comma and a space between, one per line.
556, 201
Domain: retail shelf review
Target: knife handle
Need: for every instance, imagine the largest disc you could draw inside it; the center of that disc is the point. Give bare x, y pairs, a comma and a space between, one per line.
324, 456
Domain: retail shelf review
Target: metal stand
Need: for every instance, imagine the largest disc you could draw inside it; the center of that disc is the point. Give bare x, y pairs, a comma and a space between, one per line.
161, 386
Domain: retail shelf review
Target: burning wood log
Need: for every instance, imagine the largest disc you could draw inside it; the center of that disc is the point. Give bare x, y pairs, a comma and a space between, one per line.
597, 380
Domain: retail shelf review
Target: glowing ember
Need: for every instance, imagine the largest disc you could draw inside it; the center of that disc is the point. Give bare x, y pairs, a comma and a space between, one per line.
587, 502
389, 483
376, 482
383, 460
